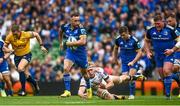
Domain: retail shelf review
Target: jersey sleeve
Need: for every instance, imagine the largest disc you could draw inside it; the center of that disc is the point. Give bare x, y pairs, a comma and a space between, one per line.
8, 39
148, 35
105, 76
116, 40
177, 31
28, 34
82, 82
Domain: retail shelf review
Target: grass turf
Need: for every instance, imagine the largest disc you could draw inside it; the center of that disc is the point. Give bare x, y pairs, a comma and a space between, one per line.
75, 100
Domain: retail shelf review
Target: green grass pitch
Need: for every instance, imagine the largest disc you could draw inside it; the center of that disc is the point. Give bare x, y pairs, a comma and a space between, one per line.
95, 101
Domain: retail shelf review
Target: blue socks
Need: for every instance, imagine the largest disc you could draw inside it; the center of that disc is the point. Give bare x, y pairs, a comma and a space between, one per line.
67, 81
22, 80
132, 87
2, 85
167, 85
31, 80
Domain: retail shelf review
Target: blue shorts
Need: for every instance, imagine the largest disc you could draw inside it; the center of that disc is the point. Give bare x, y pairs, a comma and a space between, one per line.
17, 59
177, 58
177, 55
80, 60
160, 59
4, 67
126, 68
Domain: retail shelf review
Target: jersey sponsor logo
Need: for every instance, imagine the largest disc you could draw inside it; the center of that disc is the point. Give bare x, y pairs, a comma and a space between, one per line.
154, 33
165, 33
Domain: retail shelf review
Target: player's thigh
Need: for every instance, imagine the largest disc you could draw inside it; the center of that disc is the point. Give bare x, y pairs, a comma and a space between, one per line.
168, 64
1, 77
67, 65
167, 68
22, 64
6, 77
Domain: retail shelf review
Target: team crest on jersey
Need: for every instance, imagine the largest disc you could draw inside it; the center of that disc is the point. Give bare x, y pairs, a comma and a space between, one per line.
121, 43
165, 33
154, 33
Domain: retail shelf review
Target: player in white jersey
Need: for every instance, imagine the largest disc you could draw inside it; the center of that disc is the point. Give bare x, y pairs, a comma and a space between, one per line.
101, 82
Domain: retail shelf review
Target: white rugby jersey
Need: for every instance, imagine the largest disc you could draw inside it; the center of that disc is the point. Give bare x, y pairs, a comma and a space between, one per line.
100, 77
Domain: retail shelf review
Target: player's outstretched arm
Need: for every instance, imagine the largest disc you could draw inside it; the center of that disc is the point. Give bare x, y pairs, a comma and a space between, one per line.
36, 35
61, 40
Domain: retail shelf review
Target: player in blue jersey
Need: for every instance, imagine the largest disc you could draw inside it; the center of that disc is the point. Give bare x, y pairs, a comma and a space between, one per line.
4, 70
75, 52
130, 53
161, 37
171, 20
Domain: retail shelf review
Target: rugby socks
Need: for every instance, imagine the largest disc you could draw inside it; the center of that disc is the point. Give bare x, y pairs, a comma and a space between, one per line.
32, 81
88, 84
167, 85
2, 85
67, 81
132, 87
22, 80
9, 92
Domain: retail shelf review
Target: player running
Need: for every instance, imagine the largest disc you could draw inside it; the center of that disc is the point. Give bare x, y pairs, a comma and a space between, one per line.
171, 20
20, 41
75, 53
162, 38
130, 53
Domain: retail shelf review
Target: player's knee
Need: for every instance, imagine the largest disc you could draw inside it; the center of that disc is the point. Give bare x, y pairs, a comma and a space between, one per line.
20, 69
176, 68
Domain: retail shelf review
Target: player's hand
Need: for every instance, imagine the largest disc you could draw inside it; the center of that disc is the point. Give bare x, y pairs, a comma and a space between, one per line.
149, 55
44, 49
69, 44
168, 52
131, 63
83, 95
102, 86
1, 60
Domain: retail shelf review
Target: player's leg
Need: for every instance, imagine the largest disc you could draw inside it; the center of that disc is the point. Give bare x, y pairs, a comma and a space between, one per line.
7, 79
167, 68
132, 87
104, 94
82, 62
2, 84
21, 68
66, 77
31, 80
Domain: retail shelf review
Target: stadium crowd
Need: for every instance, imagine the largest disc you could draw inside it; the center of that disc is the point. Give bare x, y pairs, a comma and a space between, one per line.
101, 18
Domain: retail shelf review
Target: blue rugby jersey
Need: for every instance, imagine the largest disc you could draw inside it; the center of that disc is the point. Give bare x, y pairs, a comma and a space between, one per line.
127, 48
162, 40
1, 49
77, 32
